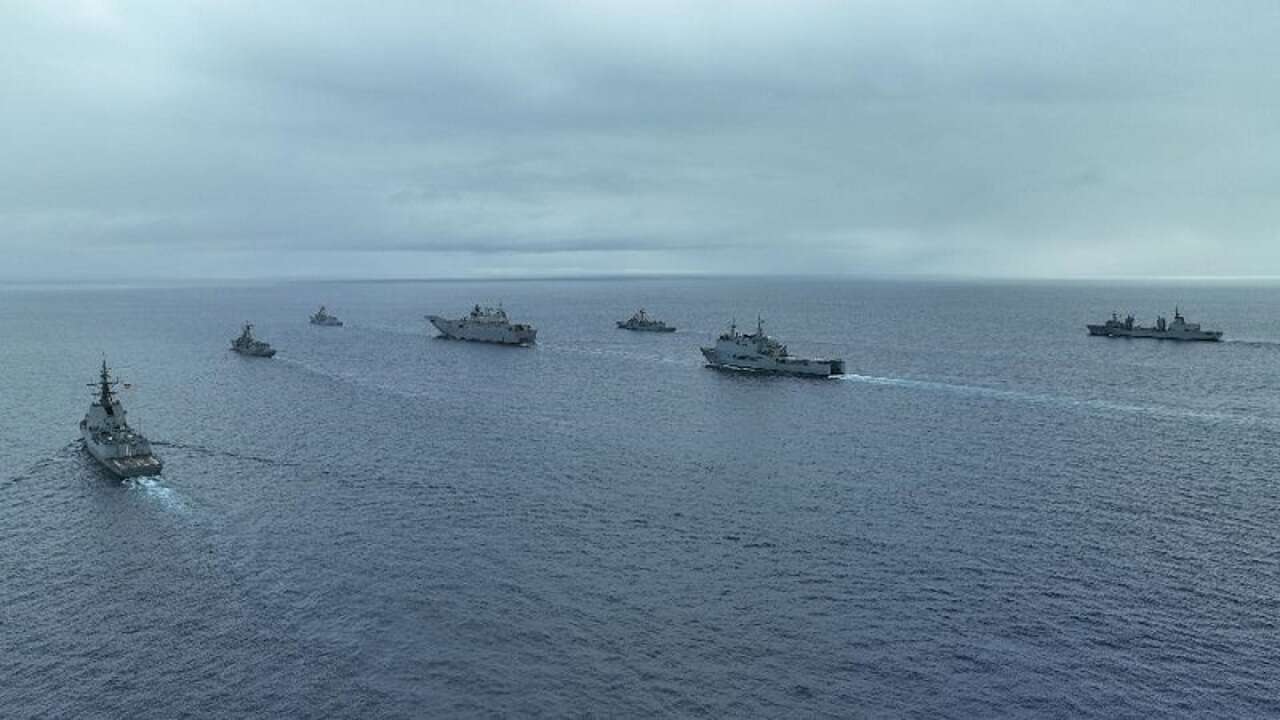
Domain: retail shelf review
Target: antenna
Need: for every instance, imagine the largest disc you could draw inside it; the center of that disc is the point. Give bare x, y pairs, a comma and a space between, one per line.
104, 385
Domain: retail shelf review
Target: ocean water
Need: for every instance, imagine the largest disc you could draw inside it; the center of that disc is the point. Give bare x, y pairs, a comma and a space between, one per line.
993, 514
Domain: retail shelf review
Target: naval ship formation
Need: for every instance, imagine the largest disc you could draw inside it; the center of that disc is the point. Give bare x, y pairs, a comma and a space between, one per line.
127, 453
1179, 329
120, 449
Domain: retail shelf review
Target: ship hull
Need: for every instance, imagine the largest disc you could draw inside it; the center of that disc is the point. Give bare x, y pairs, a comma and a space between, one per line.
483, 332
327, 323
634, 328
1154, 334
806, 367
121, 466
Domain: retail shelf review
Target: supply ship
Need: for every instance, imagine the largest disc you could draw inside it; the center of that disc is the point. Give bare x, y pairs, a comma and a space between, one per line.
1179, 329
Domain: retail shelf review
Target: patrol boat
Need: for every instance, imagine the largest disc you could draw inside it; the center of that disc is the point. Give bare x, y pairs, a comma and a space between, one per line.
757, 352
323, 318
1179, 329
247, 344
109, 439
643, 323
485, 324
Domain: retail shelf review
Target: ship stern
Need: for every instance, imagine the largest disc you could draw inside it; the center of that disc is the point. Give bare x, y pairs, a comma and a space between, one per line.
136, 466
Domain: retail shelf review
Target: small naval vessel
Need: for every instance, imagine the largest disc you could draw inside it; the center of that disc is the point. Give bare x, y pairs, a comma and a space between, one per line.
324, 318
1179, 329
247, 344
643, 323
485, 324
109, 439
757, 352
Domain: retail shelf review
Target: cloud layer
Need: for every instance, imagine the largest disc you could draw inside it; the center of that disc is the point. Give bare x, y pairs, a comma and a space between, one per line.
472, 139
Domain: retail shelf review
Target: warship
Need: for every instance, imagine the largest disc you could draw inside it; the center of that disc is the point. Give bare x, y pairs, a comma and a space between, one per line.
109, 439
757, 352
324, 318
485, 324
1179, 329
643, 323
247, 344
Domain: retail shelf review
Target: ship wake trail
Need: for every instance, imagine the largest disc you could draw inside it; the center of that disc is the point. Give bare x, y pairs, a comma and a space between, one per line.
405, 331
1260, 344
354, 381
1105, 406
604, 352
211, 452
157, 491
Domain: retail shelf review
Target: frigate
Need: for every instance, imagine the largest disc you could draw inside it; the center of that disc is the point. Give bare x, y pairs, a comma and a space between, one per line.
758, 352
123, 451
247, 344
643, 323
322, 317
485, 324
1179, 329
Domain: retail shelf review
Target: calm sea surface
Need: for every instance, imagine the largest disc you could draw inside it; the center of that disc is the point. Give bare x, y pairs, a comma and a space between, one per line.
992, 515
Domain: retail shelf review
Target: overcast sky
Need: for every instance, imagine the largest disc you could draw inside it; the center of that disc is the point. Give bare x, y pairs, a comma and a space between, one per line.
383, 138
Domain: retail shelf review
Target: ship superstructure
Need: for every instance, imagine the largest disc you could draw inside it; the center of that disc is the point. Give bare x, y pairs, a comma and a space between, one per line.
247, 344
485, 324
1179, 329
322, 317
123, 451
758, 352
643, 323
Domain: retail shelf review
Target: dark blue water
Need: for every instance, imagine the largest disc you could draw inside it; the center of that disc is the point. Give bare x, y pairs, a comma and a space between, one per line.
994, 514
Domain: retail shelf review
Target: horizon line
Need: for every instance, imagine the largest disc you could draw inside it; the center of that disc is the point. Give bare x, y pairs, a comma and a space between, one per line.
93, 281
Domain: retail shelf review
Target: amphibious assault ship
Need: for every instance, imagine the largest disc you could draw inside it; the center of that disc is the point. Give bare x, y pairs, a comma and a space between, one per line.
324, 318
107, 436
1179, 329
485, 324
247, 344
757, 352
643, 323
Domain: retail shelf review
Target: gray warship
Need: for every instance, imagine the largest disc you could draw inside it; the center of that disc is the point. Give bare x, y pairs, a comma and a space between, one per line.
123, 451
485, 324
247, 344
643, 323
322, 317
1179, 329
757, 352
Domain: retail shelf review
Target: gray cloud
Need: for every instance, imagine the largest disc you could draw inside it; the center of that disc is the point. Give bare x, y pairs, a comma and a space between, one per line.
408, 138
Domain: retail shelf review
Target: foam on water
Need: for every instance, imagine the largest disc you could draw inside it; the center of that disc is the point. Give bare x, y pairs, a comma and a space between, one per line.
154, 489
1063, 401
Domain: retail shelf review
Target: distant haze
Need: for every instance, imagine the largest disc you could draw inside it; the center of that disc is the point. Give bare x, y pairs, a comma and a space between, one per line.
476, 139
